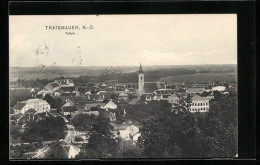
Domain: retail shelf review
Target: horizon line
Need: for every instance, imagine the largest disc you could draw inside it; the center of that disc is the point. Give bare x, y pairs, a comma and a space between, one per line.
112, 65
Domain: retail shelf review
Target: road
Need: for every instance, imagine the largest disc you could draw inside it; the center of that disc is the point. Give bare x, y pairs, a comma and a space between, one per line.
70, 134
40, 153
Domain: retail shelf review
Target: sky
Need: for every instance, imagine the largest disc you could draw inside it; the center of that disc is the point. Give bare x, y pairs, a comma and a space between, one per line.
117, 40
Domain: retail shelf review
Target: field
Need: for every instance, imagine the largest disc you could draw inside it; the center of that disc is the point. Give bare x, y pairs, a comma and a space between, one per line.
175, 72
203, 77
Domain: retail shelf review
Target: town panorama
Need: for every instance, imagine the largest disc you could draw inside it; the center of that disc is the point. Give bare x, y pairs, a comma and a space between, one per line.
84, 87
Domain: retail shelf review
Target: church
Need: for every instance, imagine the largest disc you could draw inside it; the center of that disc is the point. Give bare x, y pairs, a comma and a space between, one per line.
148, 87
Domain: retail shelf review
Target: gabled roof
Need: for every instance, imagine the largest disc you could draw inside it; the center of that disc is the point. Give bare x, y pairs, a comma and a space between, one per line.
165, 96
33, 101
196, 90
162, 92
19, 106
160, 85
110, 103
83, 90
134, 130
77, 99
90, 105
173, 95
51, 86
69, 109
30, 111
43, 115
67, 89
199, 98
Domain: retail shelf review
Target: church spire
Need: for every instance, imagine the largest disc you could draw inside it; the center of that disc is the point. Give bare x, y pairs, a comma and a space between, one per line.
141, 70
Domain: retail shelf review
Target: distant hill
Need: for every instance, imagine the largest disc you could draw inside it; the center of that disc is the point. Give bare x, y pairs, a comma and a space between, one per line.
122, 73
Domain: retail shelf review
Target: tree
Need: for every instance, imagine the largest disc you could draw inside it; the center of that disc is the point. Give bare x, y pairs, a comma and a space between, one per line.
51, 128
100, 143
154, 137
83, 122
49, 99
56, 151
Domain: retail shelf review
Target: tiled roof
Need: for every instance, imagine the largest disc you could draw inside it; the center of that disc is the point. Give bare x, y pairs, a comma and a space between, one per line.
162, 92
67, 89
51, 86
19, 106
33, 101
30, 111
199, 98
90, 105
165, 96
196, 90
160, 85
173, 95
69, 109
79, 99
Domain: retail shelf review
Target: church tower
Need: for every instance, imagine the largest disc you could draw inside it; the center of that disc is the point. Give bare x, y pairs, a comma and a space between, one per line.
141, 81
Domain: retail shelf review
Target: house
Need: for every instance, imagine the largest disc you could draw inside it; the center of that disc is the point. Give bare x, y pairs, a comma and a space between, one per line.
210, 96
123, 96
64, 82
50, 88
196, 90
69, 89
148, 96
110, 105
69, 110
41, 116
84, 90
161, 92
199, 104
202, 85
219, 88
129, 132
67, 103
120, 88
173, 99
160, 97
88, 106
134, 101
38, 104
73, 151
95, 113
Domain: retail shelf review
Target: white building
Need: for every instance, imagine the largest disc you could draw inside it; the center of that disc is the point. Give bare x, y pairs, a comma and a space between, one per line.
64, 82
110, 105
130, 133
73, 151
219, 88
37, 104
199, 104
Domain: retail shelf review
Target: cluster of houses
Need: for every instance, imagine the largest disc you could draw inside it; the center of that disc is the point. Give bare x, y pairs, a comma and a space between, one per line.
172, 92
100, 98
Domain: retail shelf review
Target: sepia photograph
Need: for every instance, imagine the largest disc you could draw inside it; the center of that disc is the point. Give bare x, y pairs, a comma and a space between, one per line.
123, 86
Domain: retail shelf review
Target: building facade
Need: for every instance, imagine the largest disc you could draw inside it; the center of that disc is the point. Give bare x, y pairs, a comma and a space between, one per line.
199, 104
38, 105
